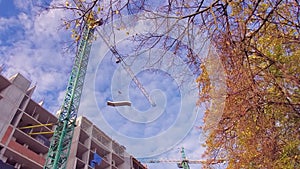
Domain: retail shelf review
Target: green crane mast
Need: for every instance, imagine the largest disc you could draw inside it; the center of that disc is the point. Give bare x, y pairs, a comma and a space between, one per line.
62, 138
184, 161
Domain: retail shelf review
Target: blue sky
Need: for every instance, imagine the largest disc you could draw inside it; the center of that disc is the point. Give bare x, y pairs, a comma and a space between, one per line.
32, 42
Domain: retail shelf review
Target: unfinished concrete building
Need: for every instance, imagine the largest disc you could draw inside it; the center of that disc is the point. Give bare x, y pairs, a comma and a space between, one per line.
26, 148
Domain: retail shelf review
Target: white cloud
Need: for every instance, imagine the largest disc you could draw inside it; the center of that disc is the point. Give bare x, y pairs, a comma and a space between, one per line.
23, 5
5, 23
33, 48
25, 21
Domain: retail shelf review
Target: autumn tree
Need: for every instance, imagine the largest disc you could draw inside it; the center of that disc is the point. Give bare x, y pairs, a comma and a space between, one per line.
258, 43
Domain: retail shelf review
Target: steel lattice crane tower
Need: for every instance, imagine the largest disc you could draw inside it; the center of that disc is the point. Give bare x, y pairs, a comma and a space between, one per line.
184, 161
62, 138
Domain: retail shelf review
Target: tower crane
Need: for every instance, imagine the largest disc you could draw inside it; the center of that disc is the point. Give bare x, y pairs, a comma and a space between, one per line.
183, 163
62, 138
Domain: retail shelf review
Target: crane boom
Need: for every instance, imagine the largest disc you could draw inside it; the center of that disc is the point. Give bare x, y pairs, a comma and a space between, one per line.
171, 161
61, 141
119, 58
138, 83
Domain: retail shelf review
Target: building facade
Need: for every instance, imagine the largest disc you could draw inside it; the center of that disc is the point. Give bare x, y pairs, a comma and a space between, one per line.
25, 139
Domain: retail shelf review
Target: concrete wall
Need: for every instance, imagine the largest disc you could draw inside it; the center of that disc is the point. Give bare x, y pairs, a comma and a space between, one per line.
12, 97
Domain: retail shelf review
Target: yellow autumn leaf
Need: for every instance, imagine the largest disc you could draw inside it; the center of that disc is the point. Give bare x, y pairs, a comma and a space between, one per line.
77, 38
68, 26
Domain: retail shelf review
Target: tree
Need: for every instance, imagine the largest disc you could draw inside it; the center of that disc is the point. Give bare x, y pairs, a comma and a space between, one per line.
258, 43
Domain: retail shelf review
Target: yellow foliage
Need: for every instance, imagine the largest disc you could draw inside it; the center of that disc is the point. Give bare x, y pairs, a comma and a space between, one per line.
67, 25
261, 57
67, 3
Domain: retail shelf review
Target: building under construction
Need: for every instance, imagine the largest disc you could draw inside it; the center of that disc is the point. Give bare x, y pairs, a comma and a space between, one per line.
26, 129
